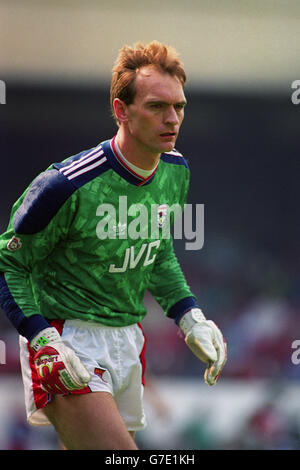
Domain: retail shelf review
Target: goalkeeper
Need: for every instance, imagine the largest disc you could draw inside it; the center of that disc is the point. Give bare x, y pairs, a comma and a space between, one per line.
73, 277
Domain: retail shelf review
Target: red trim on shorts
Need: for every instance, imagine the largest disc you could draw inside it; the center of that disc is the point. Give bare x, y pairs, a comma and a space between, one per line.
58, 324
142, 355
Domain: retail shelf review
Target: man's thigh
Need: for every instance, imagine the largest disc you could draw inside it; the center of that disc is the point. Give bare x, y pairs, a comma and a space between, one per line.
89, 422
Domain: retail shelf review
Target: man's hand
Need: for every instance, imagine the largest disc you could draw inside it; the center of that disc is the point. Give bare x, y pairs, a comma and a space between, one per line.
206, 341
59, 369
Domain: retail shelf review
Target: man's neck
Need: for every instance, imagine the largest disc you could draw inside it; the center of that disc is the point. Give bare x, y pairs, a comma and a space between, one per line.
136, 169
139, 157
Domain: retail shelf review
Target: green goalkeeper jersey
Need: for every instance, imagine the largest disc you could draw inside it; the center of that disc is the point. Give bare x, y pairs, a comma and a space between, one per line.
89, 236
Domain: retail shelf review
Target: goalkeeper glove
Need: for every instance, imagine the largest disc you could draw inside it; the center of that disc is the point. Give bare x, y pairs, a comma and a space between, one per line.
59, 369
205, 340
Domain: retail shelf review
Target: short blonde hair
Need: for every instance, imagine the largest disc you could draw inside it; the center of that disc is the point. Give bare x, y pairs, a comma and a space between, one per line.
131, 59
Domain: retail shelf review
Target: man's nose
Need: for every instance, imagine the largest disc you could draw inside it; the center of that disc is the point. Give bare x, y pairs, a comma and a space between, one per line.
171, 116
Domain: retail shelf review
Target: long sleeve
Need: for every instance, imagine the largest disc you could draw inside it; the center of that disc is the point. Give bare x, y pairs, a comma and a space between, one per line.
39, 220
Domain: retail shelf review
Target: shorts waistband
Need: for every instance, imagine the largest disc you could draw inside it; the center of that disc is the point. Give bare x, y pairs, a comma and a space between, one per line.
92, 324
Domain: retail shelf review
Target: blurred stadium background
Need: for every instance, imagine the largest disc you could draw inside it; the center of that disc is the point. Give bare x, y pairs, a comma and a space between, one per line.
241, 137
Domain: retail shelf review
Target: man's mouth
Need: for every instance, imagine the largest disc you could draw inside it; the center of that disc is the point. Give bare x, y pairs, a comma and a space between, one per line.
168, 134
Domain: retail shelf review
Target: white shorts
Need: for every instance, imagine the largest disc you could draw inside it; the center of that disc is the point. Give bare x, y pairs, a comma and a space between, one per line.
115, 357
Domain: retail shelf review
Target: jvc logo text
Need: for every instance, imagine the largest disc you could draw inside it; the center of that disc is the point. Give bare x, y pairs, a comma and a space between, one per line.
131, 259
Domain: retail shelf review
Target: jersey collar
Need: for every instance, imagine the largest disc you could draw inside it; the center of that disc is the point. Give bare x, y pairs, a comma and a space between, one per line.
118, 164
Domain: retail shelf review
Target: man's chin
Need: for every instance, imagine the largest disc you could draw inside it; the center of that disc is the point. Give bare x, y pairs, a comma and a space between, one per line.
161, 147
167, 146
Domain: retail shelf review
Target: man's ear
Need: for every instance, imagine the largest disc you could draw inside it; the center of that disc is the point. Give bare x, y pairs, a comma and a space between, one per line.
120, 109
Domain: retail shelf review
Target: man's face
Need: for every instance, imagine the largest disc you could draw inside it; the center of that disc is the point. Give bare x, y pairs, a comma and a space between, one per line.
156, 114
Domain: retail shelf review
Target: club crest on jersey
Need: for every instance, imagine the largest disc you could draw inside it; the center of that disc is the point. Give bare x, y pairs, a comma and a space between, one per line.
14, 244
162, 212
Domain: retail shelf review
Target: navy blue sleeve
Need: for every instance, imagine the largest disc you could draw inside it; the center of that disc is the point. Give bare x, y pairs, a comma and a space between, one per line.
26, 326
48, 192
180, 308
46, 195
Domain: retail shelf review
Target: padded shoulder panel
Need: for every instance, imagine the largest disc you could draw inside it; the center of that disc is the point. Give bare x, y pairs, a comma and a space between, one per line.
174, 158
46, 195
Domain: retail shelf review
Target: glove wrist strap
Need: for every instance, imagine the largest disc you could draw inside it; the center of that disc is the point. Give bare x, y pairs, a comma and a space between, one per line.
189, 319
44, 337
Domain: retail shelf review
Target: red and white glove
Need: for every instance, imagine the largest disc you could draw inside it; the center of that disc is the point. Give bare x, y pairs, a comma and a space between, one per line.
206, 341
59, 369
